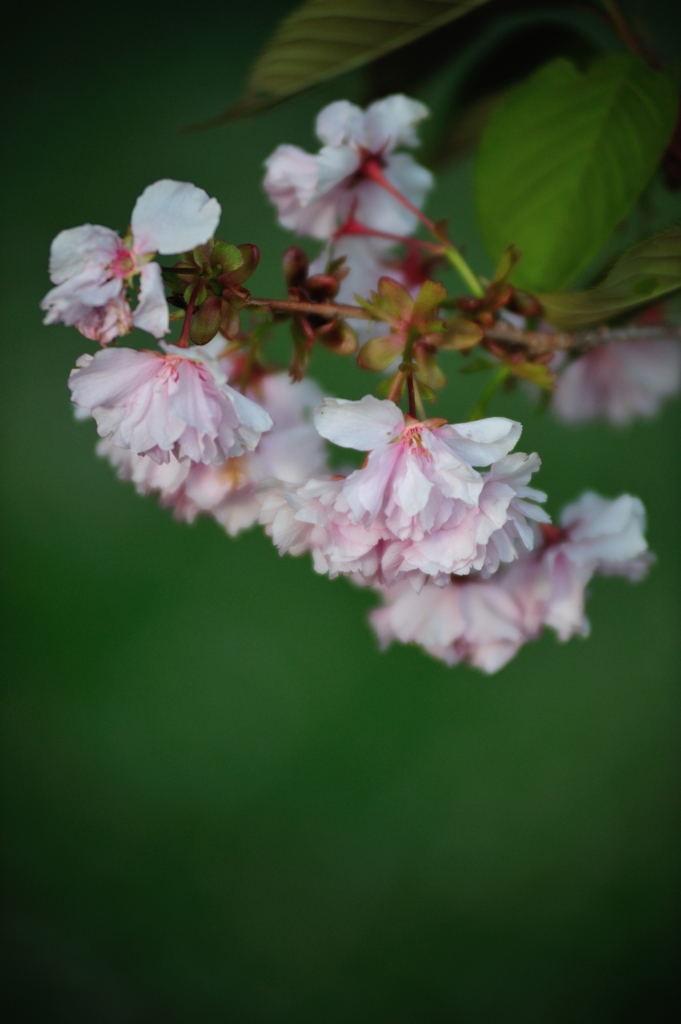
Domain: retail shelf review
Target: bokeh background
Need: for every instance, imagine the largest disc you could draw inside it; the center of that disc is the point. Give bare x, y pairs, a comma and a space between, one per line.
220, 802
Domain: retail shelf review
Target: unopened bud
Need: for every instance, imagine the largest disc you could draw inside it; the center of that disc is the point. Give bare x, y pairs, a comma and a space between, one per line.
295, 266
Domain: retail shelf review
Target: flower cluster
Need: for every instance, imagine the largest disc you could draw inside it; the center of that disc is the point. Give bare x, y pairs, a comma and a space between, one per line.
485, 622
418, 509
441, 518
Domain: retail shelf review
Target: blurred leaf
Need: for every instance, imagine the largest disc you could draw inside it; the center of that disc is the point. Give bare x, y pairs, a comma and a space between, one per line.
429, 373
646, 272
536, 373
378, 353
459, 335
500, 66
325, 38
565, 157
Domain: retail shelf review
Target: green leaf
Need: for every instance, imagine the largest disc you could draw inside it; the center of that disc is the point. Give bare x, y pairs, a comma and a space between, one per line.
322, 39
565, 157
501, 65
225, 257
458, 335
378, 353
646, 272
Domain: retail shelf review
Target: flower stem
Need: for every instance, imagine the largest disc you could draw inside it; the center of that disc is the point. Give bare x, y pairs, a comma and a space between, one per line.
329, 310
354, 227
454, 257
412, 396
183, 340
419, 401
374, 172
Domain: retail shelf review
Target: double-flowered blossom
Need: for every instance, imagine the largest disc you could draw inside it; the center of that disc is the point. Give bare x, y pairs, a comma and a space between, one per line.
619, 381
92, 266
176, 403
418, 508
315, 194
292, 449
485, 622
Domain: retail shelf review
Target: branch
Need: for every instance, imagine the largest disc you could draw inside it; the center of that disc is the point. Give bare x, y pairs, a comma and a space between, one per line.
535, 342
539, 342
328, 310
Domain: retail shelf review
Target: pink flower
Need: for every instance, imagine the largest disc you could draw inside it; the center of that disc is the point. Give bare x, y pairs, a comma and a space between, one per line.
474, 621
291, 449
315, 194
619, 381
599, 536
417, 509
92, 266
485, 621
162, 405
315, 518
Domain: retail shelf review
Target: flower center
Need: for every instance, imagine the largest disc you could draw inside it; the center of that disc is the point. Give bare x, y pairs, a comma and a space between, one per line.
123, 264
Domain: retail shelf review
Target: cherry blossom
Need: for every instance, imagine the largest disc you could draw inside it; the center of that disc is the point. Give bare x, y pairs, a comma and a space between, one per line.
485, 621
599, 536
475, 621
417, 509
619, 381
92, 267
178, 403
291, 449
315, 194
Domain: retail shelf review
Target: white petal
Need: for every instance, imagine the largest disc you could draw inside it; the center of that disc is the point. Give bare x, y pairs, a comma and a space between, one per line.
364, 490
482, 442
392, 122
334, 164
412, 488
362, 425
250, 413
173, 216
335, 122
151, 313
76, 249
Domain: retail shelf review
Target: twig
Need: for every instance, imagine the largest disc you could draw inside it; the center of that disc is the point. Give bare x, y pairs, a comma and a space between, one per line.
328, 310
539, 342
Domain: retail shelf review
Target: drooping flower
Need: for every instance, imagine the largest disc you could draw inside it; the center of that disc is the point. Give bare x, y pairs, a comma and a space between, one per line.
599, 536
619, 381
92, 267
292, 449
485, 621
469, 620
417, 509
315, 194
159, 405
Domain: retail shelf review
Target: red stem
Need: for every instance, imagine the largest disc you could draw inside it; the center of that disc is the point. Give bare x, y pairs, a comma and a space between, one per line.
329, 310
373, 171
183, 340
412, 397
353, 227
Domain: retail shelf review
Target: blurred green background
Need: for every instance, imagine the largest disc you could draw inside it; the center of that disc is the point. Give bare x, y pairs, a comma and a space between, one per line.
220, 802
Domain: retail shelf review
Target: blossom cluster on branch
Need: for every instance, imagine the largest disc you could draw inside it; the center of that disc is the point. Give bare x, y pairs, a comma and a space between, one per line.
441, 519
